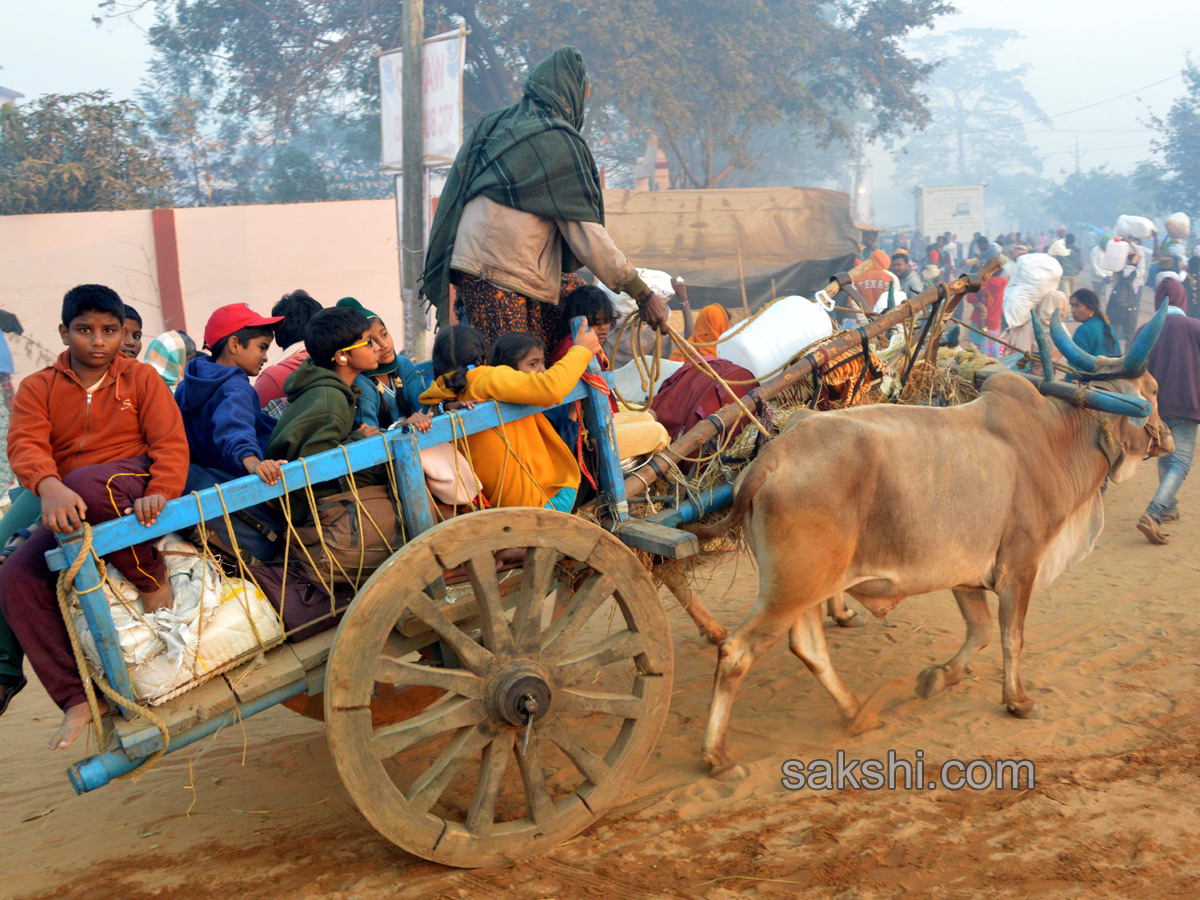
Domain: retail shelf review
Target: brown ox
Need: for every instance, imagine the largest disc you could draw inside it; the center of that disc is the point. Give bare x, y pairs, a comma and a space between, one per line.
1031, 465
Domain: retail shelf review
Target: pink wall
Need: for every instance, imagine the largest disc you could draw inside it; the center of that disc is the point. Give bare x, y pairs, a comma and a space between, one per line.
251, 254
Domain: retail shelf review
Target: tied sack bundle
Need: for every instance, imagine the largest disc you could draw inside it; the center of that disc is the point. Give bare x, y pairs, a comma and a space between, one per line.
1135, 227
1032, 290
354, 534
1179, 225
213, 622
778, 334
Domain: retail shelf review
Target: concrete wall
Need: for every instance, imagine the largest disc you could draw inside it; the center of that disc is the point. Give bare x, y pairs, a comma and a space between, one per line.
251, 254
41, 257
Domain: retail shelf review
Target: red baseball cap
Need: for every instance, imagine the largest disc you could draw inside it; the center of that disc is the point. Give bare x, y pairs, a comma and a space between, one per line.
234, 317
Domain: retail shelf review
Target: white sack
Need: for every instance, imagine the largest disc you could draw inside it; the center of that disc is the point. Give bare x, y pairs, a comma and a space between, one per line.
1179, 225
1034, 276
778, 334
1134, 227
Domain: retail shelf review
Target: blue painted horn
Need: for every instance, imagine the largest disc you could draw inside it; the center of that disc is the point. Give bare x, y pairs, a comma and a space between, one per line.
1039, 334
1075, 355
1139, 351
1101, 401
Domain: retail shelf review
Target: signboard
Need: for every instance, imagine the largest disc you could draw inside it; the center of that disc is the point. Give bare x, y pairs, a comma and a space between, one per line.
954, 208
443, 83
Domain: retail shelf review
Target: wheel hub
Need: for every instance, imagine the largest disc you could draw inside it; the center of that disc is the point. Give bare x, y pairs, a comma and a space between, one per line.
517, 693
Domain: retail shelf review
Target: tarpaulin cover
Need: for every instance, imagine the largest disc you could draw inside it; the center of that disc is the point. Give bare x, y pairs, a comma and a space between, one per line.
797, 236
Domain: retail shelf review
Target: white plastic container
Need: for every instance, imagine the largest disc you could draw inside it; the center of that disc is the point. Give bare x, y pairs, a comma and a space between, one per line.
781, 332
1115, 254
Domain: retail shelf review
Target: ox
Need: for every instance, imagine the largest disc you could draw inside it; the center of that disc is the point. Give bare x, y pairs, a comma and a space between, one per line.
1031, 458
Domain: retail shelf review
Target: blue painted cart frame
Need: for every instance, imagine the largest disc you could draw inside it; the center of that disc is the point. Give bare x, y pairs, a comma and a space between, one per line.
205, 709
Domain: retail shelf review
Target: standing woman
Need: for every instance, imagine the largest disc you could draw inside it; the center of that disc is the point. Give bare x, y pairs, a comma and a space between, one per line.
522, 209
1095, 334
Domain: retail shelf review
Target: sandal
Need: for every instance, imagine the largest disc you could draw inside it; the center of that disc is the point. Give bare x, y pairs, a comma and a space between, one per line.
8, 691
1152, 529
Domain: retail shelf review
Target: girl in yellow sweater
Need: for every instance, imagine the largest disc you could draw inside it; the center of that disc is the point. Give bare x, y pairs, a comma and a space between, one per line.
521, 463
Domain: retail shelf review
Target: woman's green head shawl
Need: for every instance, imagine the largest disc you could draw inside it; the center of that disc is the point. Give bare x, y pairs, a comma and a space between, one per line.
530, 157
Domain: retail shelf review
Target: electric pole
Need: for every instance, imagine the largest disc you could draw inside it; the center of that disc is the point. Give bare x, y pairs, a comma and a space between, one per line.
412, 253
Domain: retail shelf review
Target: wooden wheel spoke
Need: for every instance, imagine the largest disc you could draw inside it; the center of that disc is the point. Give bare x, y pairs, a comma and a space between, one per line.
482, 812
577, 702
596, 588
622, 645
406, 674
393, 739
481, 569
538, 572
537, 796
477, 658
592, 767
425, 791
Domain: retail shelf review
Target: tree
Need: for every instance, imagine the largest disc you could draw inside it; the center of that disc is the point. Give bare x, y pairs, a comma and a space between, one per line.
707, 79
1178, 143
979, 112
77, 153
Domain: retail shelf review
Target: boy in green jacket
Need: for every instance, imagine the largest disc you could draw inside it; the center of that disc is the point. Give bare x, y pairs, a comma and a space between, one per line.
322, 397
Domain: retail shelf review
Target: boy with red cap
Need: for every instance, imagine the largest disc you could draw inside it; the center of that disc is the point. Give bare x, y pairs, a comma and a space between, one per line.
96, 436
226, 428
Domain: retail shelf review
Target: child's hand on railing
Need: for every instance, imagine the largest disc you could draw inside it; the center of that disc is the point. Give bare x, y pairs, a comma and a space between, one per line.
269, 470
147, 508
458, 404
368, 430
420, 421
587, 339
62, 509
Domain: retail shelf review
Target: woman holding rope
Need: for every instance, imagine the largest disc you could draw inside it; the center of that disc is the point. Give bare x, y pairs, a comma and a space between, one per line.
522, 210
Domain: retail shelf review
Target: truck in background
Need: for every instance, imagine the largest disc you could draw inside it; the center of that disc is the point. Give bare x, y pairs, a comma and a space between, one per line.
954, 208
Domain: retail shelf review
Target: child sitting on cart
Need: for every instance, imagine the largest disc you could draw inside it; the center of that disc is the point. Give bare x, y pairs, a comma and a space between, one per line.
96, 436
226, 428
322, 395
521, 463
391, 391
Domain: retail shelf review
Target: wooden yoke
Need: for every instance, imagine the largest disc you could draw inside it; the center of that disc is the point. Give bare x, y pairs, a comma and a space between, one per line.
696, 437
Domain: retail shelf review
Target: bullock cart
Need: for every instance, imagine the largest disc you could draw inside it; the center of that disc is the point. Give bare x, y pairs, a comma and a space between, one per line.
478, 710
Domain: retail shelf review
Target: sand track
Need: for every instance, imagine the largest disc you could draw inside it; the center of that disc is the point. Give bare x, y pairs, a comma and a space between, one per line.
1111, 654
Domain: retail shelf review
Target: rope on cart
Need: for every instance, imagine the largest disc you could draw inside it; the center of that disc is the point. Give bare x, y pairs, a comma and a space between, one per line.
66, 584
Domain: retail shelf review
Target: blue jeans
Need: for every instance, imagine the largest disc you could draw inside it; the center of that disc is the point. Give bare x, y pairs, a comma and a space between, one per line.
1173, 468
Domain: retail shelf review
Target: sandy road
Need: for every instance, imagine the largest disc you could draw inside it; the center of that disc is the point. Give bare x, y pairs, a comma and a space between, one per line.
1111, 653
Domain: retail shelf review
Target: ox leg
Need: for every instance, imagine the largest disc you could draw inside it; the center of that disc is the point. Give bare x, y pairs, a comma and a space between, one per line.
807, 641
752, 639
974, 609
1014, 601
843, 615
709, 627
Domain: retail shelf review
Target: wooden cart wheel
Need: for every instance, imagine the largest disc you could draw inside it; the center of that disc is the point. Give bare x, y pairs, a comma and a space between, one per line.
583, 645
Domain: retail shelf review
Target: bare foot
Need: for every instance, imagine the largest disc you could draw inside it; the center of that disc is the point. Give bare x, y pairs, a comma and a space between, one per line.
74, 721
159, 598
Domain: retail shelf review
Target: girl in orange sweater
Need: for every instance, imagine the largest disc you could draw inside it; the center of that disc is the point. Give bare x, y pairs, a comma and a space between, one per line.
521, 463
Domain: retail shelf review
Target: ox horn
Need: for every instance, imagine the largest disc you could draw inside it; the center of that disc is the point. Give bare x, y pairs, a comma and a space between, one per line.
1101, 401
1075, 355
1139, 351
1039, 334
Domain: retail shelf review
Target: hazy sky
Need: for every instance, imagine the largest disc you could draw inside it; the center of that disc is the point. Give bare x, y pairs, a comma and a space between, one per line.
1081, 52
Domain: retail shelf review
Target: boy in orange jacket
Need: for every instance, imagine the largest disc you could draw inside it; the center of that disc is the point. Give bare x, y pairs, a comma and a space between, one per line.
97, 435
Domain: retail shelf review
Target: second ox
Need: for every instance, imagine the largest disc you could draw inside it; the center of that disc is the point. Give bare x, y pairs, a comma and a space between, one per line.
1033, 457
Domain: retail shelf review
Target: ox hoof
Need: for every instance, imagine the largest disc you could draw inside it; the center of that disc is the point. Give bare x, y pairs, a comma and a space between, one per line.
1028, 710
933, 680
850, 620
727, 772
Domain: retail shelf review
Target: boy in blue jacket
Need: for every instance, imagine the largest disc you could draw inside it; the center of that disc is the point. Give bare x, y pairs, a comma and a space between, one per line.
226, 428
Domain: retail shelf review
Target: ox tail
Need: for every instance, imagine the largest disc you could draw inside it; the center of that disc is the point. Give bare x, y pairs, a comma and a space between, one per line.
743, 494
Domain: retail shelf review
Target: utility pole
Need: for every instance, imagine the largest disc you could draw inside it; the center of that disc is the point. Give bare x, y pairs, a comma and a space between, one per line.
412, 254
1077, 154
